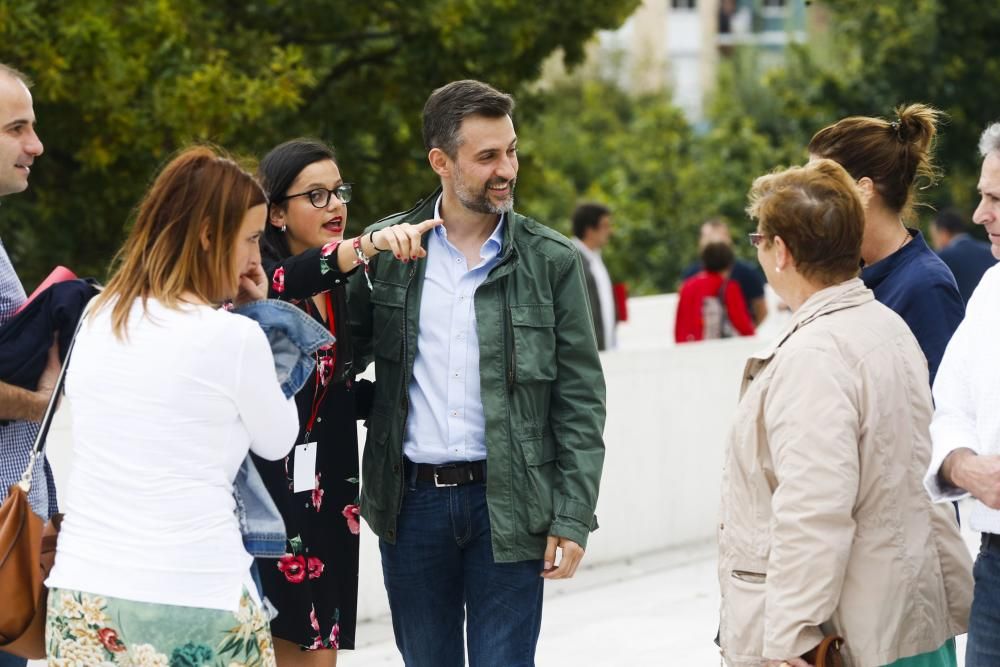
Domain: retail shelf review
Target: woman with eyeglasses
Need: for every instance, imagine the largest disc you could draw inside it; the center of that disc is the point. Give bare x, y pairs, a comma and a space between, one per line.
825, 526
888, 159
314, 586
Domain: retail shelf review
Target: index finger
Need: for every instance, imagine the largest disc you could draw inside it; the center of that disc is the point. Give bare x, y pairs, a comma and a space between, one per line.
427, 225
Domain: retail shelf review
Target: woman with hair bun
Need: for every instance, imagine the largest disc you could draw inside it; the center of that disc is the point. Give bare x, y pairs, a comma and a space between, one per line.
888, 159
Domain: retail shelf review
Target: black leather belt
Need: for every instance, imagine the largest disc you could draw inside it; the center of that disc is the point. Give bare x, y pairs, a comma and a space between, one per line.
990, 542
450, 474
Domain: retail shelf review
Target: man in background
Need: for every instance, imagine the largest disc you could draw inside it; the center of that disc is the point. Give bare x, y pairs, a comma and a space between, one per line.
967, 258
747, 276
591, 232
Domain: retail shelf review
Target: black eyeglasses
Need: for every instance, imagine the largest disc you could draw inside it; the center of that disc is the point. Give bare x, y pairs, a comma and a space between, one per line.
320, 197
755, 238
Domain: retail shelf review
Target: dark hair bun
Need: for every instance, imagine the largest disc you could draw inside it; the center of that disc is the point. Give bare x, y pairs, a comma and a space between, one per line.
916, 124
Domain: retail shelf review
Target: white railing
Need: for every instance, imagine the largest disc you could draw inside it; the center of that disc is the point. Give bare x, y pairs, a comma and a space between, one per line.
669, 409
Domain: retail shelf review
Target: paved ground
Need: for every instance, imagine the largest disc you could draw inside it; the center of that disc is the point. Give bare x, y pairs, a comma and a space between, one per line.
657, 609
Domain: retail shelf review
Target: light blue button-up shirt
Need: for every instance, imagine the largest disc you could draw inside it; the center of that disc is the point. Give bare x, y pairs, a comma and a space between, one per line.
446, 421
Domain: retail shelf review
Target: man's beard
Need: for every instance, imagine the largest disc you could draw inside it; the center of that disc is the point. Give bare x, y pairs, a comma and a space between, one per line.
480, 201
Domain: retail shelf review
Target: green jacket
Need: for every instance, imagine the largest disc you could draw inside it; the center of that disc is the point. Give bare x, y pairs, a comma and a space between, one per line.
541, 378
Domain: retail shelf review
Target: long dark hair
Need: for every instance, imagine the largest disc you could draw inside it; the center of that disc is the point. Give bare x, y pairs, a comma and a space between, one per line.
276, 173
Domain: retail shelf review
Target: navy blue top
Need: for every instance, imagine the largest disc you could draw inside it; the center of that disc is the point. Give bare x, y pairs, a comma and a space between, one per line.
968, 260
746, 275
916, 284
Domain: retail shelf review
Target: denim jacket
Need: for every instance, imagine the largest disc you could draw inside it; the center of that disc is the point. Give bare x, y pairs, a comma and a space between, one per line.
294, 337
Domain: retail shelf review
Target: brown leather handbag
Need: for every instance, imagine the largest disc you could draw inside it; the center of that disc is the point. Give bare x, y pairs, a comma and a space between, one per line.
827, 654
27, 551
23, 568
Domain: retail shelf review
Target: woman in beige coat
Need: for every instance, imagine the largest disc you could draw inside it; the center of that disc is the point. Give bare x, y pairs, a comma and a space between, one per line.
826, 527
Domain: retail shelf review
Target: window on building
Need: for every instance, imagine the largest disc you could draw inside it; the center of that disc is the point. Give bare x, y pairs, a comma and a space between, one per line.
684, 4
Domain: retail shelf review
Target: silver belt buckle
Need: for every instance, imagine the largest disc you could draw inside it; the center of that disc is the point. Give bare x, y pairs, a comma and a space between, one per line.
436, 482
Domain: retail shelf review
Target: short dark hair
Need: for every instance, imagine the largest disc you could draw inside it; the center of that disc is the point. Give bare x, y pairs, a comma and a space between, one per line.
449, 105
717, 256
949, 220
17, 74
276, 173
588, 216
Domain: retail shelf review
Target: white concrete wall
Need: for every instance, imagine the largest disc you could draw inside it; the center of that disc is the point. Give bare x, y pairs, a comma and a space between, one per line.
669, 410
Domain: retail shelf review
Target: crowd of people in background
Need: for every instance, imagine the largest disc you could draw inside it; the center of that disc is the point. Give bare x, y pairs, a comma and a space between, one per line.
213, 510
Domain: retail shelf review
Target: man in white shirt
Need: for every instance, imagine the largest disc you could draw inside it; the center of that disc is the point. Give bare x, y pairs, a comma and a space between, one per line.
966, 425
591, 232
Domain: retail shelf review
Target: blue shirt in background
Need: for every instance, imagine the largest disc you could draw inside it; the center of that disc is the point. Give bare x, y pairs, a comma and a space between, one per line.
919, 287
446, 421
968, 260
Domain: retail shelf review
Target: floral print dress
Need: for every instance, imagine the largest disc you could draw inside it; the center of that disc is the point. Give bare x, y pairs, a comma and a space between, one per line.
314, 586
85, 630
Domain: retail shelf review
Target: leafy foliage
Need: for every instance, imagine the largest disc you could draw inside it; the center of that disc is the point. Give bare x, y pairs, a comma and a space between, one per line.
121, 86
639, 156
662, 177
882, 55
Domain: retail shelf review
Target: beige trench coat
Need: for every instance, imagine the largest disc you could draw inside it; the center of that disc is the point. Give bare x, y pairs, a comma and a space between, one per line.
825, 523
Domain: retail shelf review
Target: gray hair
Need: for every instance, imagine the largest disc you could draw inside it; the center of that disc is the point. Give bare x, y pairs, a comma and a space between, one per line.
449, 105
15, 74
989, 141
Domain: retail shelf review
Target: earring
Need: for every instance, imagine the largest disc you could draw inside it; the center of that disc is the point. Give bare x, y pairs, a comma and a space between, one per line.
777, 269
283, 228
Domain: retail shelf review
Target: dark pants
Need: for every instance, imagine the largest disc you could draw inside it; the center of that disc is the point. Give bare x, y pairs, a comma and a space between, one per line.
983, 648
442, 566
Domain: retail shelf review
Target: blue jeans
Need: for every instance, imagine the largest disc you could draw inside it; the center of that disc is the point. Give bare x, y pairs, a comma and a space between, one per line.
983, 648
442, 566
8, 660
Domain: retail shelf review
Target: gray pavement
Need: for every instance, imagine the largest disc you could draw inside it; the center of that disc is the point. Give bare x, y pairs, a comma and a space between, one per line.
652, 610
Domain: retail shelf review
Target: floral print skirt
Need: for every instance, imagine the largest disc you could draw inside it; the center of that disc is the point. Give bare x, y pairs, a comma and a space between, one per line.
86, 630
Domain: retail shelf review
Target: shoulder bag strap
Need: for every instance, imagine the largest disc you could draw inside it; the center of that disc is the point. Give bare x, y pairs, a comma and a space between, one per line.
50, 410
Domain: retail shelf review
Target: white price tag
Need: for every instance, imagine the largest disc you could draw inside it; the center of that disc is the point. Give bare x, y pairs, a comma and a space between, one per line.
304, 474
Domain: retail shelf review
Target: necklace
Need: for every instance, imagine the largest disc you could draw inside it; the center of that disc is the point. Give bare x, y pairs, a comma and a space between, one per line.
906, 239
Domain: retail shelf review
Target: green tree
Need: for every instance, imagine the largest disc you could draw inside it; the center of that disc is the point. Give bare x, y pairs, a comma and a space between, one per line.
121, 86
934, 51
637, 154
881, 55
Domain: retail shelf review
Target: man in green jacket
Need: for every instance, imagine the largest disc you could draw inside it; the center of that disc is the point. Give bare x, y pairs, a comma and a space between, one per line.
485, 444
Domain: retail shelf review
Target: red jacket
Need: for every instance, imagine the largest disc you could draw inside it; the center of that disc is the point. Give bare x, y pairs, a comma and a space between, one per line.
688, 325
